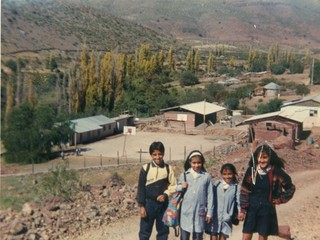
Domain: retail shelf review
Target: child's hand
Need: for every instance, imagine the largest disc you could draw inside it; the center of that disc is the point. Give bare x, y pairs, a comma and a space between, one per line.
208, 219
161, 198
184, 185
143, 212
241, 216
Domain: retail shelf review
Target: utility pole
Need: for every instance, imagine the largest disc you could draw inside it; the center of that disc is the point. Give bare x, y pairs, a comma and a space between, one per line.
312, 69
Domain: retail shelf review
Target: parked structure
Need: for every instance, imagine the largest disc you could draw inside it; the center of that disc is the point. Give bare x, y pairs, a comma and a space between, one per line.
194, 114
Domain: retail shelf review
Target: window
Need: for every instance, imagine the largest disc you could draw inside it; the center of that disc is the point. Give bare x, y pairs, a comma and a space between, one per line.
268, 124
313, 113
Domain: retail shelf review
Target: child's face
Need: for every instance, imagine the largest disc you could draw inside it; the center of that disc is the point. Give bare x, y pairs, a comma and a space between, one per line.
157, 156
227, 175
263, 160
196, 163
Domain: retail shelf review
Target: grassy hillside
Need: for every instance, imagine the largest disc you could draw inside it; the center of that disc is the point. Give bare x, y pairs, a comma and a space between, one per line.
34, 25
287, 22
109, 24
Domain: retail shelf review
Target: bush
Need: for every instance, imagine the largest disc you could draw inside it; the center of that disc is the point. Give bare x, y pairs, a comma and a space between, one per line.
277, 69
296, 67
187, 78
302, 89
60, 183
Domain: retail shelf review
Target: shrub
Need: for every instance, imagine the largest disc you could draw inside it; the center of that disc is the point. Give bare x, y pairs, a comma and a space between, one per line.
302, 89
187, 78
60, 182
296, 67
277, 69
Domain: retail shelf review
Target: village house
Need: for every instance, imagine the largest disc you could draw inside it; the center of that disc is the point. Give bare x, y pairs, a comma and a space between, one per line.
270, 126
194, 114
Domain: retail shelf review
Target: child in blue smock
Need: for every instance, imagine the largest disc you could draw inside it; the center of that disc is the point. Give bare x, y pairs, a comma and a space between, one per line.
197, 205
227, 194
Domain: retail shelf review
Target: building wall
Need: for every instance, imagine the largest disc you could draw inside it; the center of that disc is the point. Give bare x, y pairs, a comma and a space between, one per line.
270, 130
121, 122
271, 93
221, 115
177, 117
86, 137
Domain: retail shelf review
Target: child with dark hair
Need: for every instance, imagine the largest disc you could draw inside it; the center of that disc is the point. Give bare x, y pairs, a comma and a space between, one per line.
156, 183
197, 205
227, 193
264, 186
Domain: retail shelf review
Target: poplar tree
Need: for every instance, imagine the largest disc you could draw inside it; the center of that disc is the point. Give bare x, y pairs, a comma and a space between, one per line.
170, 61
31, 94
231, 62
91, 91
119, 79
10, 99
190, 60
84, 81
210, 62
197, 61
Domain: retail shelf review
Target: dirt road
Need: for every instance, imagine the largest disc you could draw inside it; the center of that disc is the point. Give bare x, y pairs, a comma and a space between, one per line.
302, 213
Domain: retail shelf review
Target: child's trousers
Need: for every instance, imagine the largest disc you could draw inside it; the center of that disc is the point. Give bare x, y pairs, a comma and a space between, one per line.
155, 211
186, 235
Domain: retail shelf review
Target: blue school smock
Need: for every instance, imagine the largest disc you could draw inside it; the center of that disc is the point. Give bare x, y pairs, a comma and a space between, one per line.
224, 209
197, 202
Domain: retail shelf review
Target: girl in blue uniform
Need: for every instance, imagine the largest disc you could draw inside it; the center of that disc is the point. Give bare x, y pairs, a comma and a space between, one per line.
227, 195
197, 205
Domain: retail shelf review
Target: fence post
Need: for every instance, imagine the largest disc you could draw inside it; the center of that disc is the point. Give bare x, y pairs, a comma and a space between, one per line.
118, 160
100, 160
84, 162
214, 151
140, 155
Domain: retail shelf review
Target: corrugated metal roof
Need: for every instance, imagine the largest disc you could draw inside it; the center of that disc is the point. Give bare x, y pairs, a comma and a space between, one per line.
315, 98
91, 123
203, 107
272, 86
298, 113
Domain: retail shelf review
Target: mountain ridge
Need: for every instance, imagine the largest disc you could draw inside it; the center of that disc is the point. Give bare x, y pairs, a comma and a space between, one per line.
124, 25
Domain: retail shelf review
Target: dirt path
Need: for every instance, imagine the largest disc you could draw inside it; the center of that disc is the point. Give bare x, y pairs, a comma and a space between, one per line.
302, 213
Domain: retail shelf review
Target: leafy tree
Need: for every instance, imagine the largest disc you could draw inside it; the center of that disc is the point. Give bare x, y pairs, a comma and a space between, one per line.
210, 62
277, 69
272, 106
10, 99
259, 63
12, 64
215, 92
296, 67
187, 78
232, 103
302, 89
316, 72
31, 133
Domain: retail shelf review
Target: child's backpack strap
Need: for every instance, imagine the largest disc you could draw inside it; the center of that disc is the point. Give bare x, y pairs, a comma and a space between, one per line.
167, 167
